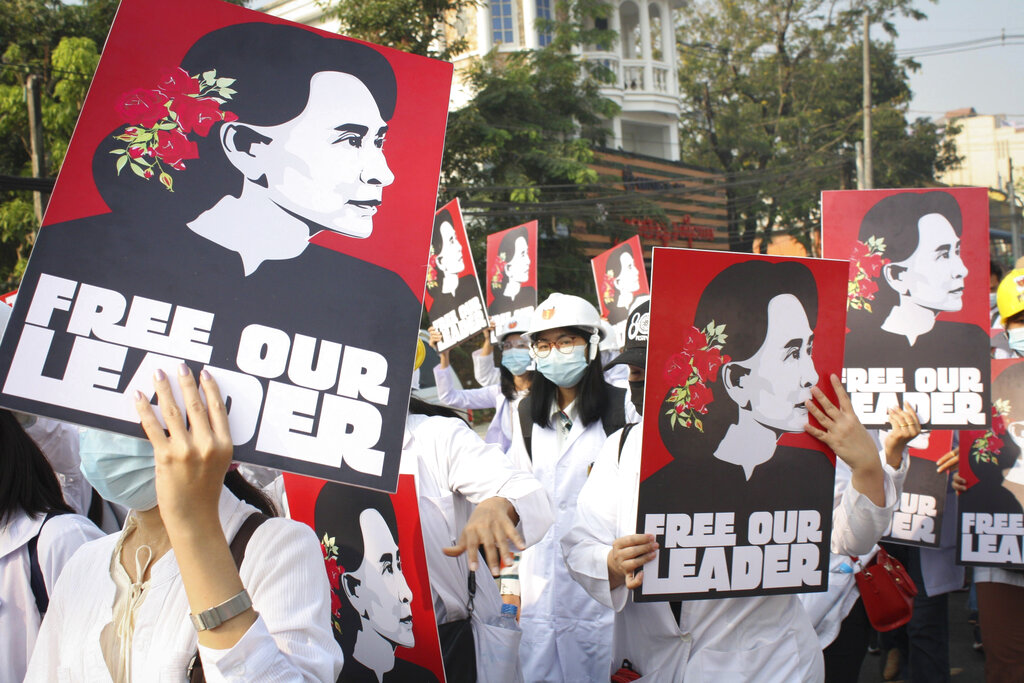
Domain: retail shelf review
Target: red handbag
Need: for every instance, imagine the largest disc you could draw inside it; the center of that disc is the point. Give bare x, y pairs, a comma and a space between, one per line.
887, 591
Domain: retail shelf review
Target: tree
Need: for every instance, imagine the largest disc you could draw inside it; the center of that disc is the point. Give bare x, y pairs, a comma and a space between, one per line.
776, 104
416, 26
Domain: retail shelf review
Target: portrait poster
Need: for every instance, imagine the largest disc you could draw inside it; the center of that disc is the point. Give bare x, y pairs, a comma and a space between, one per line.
917, 301
990, 527
453, 300
382, 612
918, 521
620, 277
737, 494
254, 198
512, 278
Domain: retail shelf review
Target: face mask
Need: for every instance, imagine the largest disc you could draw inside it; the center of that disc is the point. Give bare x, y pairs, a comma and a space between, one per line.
991, 299
565, 370
121, 468
516, 360
1016, 340
636, 395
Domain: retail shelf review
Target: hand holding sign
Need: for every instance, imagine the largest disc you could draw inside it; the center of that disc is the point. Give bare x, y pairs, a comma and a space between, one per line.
905, 428
627, 557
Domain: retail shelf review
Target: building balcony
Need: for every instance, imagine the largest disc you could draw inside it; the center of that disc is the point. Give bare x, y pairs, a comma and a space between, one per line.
639, 84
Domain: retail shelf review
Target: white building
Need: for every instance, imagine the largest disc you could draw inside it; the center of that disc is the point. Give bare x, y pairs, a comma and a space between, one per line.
987, 143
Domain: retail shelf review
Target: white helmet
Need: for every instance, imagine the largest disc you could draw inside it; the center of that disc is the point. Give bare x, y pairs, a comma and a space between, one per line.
566, 310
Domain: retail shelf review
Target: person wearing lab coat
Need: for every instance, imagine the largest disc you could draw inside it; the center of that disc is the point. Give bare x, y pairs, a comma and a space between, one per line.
764, 638
566, 633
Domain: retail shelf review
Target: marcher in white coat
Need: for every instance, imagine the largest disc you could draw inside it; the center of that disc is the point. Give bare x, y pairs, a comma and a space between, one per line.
29, 493
566, 633
766, 638
471, 495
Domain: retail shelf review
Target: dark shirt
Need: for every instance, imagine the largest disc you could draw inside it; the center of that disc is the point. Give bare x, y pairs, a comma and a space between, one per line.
403, 672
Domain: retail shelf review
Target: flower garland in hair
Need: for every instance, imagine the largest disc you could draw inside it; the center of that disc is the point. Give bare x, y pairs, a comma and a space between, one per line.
608, 289
334, 572
866, 263
691, 370
162, 118
498, 271
432, 269
986, 449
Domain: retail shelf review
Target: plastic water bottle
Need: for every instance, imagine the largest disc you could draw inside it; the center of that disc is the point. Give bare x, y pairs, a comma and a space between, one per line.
508, 617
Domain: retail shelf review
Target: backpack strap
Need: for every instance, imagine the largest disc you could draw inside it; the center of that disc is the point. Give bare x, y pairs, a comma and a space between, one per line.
614, 416
622, 439
194, 672
526, 424
35, 573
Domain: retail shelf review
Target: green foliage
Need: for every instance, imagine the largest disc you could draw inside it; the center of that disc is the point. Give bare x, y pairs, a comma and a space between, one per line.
416, 26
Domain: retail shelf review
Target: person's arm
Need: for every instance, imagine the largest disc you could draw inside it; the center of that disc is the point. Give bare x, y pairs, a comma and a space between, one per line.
472, 399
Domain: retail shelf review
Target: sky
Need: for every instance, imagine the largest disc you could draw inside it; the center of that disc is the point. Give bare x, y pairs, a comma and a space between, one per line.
991, 79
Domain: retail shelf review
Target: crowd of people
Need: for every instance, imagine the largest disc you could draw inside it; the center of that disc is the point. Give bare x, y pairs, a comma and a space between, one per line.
132, 560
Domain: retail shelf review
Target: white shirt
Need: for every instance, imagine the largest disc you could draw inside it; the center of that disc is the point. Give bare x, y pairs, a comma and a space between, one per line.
500, 430
767, 638
485, 372
283, 571
19, 617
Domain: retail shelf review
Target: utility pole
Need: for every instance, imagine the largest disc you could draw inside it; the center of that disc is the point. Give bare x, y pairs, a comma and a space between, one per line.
1014, 225
858, 150
869, 182
35, 126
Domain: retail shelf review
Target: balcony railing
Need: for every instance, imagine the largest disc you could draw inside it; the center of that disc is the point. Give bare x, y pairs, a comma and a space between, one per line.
635, 75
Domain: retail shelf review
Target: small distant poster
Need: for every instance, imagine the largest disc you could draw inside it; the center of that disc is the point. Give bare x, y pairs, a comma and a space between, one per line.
620, 277
918, 521
991, 511
737, 494
512, 277
453, 299
917, 301
382, 612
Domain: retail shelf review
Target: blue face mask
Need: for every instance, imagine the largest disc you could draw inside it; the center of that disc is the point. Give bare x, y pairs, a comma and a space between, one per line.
1015, 339
120, 468
516, 360
564, 369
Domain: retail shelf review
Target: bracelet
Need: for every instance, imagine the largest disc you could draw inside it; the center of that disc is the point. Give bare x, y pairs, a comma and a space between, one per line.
229, 609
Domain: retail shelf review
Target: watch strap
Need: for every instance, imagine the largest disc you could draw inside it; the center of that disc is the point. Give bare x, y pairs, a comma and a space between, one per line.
215, 616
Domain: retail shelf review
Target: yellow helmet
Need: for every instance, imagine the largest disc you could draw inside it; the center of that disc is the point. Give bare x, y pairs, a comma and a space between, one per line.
1010, 295
421, 353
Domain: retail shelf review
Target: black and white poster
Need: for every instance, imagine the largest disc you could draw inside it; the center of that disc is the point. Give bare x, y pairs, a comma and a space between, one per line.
454, 302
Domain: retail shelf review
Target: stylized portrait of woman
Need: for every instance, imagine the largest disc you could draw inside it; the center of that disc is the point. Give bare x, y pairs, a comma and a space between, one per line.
997, 459
906, 269
371, 599
739, 382
449, 260
508, 282
625, 279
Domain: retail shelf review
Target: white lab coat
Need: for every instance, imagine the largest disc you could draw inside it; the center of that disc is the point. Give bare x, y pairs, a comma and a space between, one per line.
283, 571
455, 470
485, 372
19, 617
566, 633
500, 430
766, 638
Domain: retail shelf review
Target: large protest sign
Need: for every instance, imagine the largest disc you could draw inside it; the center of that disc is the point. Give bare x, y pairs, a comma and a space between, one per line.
990, 527
381, 606
738, 496
620, 277
453, 299
251, 197
512, 277
917, 301
918, 521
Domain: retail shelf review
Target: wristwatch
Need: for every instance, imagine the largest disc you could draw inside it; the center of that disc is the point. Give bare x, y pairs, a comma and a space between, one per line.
215, 616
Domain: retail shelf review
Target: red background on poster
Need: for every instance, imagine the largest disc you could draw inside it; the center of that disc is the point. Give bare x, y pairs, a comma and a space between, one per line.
493, 243
684, 273
460, 235
302, 493
413, 149
599, 265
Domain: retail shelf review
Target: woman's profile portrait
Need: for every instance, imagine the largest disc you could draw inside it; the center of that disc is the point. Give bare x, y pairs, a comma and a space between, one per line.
624, 278
511, 272
449, 283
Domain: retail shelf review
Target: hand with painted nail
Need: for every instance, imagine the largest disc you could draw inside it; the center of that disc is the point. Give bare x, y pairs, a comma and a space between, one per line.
846, 436
627, 557
191, 458
491, 528
905, 427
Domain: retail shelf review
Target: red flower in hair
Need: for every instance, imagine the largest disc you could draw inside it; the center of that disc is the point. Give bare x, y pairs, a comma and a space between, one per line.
142, 106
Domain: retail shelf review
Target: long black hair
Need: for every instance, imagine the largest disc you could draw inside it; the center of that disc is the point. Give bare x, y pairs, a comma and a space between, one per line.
418, 406
27, 481
248, 493
591, 393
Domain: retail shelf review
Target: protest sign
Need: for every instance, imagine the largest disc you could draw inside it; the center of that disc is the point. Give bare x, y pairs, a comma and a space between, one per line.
916, 301
620, 277
738, 496
381, 607
251, 197
990, 527
453, 299
918, 521
512, 278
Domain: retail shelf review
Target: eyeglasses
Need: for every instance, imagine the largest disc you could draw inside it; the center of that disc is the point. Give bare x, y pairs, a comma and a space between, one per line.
517, 344
542, 348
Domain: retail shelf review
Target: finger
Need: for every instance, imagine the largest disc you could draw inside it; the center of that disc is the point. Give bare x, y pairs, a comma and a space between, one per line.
499, 538
173, 417
198, 419
825, 404
150, 424
949, 461
841, 396
635, 581
470, 541
509, 533
491, 556
638, 562
455, 550
818, 434
633, 551
215, 408
911, 415
959, 484
821, 417
633, 539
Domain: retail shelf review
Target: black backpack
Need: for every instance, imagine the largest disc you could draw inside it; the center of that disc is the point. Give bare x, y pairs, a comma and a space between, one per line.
35, 573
